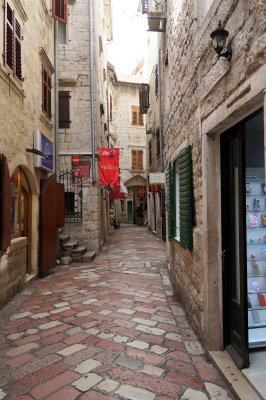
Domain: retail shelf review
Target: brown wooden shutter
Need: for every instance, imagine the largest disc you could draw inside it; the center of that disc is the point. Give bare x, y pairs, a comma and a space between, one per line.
64, 118
140, 160
60, 10
134, 115
60, 204
5, 204
9, 37
133, 159
49, 96
46, 93
141, 122
18, 68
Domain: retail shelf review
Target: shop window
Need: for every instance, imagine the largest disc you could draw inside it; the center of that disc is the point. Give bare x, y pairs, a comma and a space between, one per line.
19, 203
46, 93
180, 199
122, 206
13, 49
137, 160
64, 110
137, 117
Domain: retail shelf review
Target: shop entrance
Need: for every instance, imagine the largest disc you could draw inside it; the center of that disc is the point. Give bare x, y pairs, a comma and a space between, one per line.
244, 237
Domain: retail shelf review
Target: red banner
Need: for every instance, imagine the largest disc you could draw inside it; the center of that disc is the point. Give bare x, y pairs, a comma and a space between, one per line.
109, 167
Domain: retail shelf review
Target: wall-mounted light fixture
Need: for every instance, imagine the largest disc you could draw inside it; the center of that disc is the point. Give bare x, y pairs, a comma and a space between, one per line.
219, 36
38, 152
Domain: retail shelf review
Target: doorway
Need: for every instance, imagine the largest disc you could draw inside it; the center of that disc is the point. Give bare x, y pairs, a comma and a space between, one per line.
130, 211
244, 237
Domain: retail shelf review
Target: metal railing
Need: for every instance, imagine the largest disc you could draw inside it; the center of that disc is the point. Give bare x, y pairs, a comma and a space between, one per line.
73, 195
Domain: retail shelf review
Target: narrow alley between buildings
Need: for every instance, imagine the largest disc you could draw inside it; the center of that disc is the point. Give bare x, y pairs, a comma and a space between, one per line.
111, 329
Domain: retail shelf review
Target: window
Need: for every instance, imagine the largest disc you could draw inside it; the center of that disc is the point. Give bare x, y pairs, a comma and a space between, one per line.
137, 117
150, 153
60, 10
180, 199
122, 206
62, 33
137, 160
19, 203
158, 143
13, 39
111, 108
46, 93
64, 120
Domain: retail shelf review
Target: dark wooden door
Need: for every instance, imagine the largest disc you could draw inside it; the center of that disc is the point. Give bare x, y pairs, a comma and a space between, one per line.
234, 245
51, 211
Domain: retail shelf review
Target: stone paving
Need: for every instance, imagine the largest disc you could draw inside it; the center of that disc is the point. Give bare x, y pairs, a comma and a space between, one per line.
111, 329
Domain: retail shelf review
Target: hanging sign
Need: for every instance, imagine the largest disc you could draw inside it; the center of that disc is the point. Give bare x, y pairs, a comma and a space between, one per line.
109, 167
81, 169
42, 143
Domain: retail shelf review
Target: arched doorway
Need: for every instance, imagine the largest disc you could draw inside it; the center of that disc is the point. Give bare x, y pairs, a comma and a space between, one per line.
21, 201
137, 199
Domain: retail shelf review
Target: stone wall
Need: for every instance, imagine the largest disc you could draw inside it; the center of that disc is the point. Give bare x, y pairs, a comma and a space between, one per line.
76, 76
196, 85
21, 111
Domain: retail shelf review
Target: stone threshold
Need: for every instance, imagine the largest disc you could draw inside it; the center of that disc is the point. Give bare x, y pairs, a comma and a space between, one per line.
240, 386
29, 278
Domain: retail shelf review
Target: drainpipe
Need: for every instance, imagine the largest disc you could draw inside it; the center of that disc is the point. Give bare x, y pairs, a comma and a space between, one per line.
92, 98
108, 120
160, 107
56, 122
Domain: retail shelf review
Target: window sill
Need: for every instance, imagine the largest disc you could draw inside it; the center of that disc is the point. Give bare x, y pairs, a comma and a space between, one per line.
11, 82
46, 122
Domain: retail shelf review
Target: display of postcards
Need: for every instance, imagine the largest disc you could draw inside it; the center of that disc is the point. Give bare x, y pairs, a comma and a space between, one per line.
253, 220
256, 204
263, 187
256, 316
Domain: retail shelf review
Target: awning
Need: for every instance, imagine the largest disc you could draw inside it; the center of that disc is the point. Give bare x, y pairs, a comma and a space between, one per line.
119, 193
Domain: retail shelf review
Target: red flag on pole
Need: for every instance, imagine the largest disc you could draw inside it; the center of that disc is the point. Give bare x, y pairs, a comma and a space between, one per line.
109, 167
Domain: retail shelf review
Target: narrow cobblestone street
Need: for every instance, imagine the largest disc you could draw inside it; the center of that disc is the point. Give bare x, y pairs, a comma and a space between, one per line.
107, 330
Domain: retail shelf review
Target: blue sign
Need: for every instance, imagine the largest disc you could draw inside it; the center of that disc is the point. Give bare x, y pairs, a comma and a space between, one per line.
48, 149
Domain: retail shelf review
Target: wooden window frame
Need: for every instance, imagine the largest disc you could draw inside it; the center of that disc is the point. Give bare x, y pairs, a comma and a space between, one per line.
185, 207
59, 10
64, 109
137, 160
20, 232
13, 43
136, 117
46, 93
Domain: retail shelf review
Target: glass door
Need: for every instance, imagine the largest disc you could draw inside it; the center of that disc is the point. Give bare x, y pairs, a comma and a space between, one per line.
256, 230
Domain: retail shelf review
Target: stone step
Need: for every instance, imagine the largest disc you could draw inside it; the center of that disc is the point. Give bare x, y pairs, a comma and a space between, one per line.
78, 251
88, 256
69, 246
64, 237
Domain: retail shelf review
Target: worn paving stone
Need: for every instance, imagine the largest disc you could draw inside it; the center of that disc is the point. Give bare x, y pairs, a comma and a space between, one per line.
108, 330
134, 393
86, 382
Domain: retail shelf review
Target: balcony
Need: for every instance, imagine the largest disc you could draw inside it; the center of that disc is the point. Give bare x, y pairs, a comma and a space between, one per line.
156, 14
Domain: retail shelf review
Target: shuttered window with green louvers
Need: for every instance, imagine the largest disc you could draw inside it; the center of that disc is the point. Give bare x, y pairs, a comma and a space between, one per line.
171, 201
186, 197
182, 188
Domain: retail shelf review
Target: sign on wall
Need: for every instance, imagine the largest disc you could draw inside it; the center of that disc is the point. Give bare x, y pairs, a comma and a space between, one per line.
81, 167
156, 177
42, 143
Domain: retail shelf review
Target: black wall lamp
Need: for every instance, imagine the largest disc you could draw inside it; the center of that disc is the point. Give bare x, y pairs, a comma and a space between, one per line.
219, 36
38, 152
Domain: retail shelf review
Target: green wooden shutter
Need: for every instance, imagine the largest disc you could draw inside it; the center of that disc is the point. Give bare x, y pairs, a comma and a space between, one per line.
186, 197
171, 201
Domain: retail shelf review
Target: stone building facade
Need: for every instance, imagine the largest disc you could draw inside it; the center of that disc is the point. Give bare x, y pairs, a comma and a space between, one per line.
206, 100
28, 53
83, 127
127, 132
